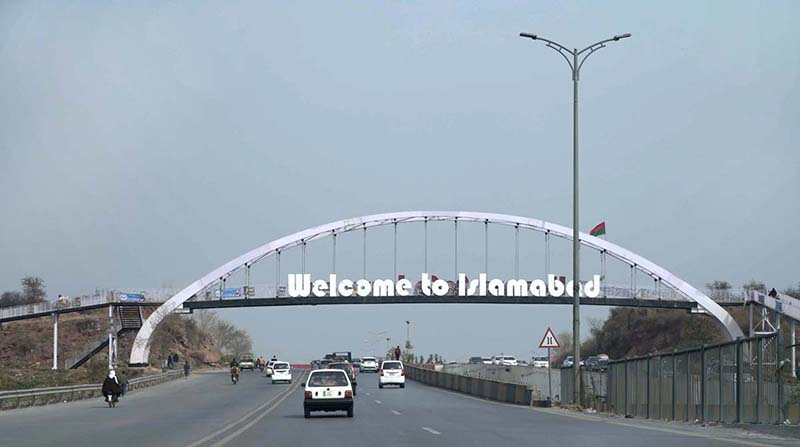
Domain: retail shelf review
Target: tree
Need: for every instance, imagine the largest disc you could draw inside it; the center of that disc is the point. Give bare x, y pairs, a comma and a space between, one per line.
758, 286
793, 292
719, 285
33, 292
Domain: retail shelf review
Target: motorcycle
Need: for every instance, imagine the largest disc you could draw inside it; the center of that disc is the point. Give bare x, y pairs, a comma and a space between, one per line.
112, 400
235, 375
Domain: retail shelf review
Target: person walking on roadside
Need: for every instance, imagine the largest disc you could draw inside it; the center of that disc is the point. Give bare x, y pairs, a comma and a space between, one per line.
186, 369
397, 353
123, 383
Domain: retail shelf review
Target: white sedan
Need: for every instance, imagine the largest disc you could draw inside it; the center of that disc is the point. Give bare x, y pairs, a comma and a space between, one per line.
505, 360
392, 373
281, 372
368, 364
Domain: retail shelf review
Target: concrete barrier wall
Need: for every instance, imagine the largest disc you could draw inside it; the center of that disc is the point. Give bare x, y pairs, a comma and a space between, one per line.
488, 389
534, 379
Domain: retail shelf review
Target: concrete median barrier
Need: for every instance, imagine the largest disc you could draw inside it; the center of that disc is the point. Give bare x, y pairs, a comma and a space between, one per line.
514, 393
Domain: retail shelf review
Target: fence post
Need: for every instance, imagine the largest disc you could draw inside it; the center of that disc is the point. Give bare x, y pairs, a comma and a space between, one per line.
661, 387
759, 347
674, 376
739, 373
647, 393
626, 387
688, 384
703, 383
720, 385
779, 361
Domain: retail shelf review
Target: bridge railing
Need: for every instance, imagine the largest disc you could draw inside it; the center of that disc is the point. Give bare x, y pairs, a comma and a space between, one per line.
109, 296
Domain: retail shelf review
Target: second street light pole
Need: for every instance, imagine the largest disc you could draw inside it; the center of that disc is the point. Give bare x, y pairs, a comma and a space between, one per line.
575, 66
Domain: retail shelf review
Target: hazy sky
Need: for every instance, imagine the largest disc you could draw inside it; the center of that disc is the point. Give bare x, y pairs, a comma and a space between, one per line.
144, 145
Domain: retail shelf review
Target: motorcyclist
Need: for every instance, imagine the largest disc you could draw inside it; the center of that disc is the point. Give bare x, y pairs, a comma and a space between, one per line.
111, 388
234, 370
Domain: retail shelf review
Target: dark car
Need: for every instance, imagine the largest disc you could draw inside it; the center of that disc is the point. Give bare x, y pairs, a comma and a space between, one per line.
349, 369
592, 362
476, 360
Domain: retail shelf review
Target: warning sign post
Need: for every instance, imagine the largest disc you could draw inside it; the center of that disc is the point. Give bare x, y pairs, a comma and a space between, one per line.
549, 341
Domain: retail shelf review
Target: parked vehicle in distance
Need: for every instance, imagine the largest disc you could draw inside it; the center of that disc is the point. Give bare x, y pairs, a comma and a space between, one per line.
591, 362
505, 360
368, 364
569, 361
328, 390
350, 370
392, 373
602, 361
246, 361
522, 363
475, 360
487, 360
540, 362
281, 372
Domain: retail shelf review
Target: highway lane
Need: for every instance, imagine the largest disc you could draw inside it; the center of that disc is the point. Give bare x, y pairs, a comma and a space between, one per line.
207, 411
424, 416
175, 413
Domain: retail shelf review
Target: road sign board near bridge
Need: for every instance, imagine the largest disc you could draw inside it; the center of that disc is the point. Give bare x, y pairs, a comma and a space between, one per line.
549, 340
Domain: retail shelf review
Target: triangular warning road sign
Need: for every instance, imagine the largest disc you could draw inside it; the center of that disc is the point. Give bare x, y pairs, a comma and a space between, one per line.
549, 340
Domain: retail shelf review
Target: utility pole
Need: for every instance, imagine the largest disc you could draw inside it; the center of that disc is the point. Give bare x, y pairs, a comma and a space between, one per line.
575, 64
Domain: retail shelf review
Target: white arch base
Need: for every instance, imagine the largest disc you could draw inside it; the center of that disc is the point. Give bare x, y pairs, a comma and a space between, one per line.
141, 346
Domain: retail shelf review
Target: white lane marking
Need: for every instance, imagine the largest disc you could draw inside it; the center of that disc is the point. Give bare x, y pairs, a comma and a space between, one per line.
369, 394
397, 412
432, 431
378, 402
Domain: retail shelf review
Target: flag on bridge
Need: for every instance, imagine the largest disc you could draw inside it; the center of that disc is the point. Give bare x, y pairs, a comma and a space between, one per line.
599, 229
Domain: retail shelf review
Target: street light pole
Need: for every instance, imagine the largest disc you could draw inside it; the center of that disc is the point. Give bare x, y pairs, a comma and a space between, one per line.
578, 58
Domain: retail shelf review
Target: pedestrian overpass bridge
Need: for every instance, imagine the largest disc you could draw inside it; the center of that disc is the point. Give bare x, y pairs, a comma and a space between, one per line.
231, 284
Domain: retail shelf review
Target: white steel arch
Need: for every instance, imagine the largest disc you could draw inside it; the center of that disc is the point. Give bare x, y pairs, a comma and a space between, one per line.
141, 346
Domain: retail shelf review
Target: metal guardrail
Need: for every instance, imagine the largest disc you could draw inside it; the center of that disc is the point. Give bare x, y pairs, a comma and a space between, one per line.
44, 396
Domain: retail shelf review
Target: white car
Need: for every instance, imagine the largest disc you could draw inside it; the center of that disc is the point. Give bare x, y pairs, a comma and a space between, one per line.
269, 367
487, 361
505, 360
328, 390
540, 362
281, 372
368, 364
392, 373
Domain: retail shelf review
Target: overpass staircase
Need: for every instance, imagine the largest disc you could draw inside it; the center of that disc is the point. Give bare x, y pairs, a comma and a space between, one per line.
129, 319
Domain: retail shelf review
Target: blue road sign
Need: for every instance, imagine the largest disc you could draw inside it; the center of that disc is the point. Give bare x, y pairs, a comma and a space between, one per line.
131, 297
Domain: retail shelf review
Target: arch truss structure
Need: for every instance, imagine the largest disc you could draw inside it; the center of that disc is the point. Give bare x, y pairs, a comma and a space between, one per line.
663, 279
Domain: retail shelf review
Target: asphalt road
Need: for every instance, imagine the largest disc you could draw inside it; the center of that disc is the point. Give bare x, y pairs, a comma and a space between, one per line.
207, 411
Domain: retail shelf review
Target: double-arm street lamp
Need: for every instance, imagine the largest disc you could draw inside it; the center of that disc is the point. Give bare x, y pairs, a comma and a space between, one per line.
575, 59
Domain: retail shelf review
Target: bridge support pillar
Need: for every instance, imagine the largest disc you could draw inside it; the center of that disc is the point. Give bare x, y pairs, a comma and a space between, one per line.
55, 341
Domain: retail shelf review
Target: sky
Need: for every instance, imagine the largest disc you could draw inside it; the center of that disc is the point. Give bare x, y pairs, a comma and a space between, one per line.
143, 144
